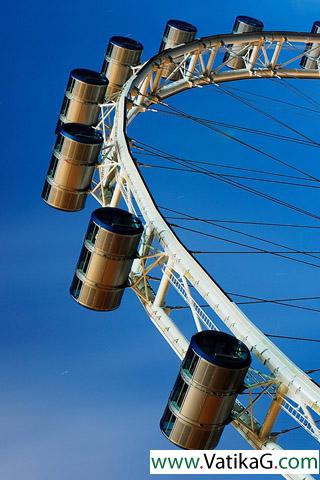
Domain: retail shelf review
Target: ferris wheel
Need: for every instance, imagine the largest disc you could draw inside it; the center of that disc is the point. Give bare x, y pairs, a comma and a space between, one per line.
136, 248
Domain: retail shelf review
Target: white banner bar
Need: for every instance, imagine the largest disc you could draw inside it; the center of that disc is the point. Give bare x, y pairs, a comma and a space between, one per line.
241, 462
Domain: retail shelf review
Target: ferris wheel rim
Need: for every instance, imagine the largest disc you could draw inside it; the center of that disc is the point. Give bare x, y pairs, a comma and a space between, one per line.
299, 386
121, 124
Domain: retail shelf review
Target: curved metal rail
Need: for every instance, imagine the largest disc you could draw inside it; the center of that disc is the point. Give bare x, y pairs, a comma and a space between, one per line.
269, 55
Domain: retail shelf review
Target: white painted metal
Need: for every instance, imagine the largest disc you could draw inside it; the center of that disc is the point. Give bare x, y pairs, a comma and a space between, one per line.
299, 384
163, 286
146, 87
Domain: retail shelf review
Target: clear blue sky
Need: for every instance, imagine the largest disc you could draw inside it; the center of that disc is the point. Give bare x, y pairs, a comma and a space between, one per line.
83, 392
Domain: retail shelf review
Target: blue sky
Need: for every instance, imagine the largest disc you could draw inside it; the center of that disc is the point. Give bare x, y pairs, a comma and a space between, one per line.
83, 392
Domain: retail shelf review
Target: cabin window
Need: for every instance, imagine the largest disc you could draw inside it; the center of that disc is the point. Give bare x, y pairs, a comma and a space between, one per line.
168, 422
53, 166
46, 191
65, 106
179, 392
190, 362
92, 232
76, 287
84, 260
105, 64
59, 143
70, 85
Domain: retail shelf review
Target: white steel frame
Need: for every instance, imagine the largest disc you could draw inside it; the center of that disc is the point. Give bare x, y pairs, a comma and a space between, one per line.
266, 55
